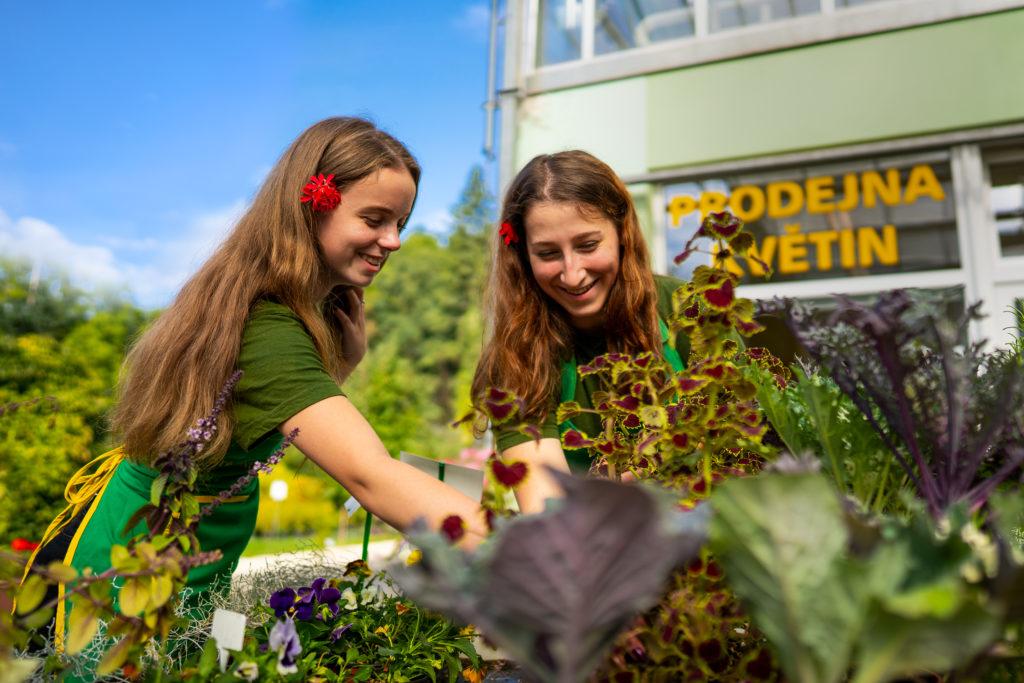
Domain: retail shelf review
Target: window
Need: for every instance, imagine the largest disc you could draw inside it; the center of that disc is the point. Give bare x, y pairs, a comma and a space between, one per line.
1006, 174
728, 14
855, 218
624, 24
580, 30
852, 3
561, 31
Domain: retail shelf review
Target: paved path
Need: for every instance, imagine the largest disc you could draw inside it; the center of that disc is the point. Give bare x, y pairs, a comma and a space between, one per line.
380, 554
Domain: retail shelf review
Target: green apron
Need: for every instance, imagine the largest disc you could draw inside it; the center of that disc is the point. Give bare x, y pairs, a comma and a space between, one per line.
579, 459
125, 487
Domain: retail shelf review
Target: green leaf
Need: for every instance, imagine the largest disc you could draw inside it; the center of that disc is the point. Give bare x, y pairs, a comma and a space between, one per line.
189, 506
82, 625
893, 646
36, 620
465, 646
777, 408
208, 661
61, 572
115, 657
654, 416
567, 411
161, 589
31, 593
133, 596
122, 560
782, 542
156, 489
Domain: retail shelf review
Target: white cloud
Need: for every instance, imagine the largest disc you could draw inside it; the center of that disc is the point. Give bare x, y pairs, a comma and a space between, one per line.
46, 246
474, 19
437, 223
151, 268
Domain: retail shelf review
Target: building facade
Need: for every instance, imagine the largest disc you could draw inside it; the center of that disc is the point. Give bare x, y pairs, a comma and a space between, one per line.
869, 144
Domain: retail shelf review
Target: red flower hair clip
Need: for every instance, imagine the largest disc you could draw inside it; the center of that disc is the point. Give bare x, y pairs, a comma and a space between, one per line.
321, 191
508, 233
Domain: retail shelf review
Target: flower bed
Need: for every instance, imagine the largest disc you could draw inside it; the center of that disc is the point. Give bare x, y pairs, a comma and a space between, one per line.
854, 517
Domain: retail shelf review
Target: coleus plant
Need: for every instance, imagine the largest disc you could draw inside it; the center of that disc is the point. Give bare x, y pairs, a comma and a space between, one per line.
688, 431
691, 428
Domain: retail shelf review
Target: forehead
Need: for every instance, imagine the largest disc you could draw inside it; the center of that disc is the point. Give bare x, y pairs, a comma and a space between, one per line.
391, 188
555, 221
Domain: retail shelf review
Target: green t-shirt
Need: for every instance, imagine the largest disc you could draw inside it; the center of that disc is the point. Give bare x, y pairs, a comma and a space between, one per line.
586, 347
282, 374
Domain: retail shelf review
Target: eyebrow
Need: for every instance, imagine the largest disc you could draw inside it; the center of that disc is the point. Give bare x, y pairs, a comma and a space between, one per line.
377, 207
582, 236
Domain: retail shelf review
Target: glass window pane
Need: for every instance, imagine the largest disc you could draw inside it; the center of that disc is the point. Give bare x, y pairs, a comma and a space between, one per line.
622, 24
727, 14
1007, 205
852, 3
857, 218
560, 31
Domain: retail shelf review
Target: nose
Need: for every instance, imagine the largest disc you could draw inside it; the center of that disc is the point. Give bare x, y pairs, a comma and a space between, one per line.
389, 238
573, 273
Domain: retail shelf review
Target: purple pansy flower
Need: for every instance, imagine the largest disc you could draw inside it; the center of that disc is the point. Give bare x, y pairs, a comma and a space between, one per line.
285, 640
337, 633
282, 601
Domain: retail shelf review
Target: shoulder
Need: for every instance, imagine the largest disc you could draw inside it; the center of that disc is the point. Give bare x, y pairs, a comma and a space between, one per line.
282, 372
665, 286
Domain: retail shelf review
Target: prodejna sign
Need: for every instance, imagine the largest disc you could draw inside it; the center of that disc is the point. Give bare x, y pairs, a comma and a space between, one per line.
864, 220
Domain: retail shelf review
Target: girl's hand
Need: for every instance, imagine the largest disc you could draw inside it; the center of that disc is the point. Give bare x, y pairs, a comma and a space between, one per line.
348, 308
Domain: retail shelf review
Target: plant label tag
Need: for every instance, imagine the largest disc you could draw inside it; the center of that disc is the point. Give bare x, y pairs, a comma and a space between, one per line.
351, 505
228, 630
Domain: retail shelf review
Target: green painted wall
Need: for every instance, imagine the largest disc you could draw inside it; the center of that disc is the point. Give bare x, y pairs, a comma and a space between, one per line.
960, 74
607, 119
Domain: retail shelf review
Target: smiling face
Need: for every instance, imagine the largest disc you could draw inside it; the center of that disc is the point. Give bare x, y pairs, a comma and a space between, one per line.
574, 257
357, 237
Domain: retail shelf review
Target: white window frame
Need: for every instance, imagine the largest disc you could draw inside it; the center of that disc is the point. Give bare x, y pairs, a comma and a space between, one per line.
831, 23
983, 271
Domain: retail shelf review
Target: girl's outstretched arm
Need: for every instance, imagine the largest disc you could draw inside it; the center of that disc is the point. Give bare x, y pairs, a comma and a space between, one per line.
539, 485
334, 435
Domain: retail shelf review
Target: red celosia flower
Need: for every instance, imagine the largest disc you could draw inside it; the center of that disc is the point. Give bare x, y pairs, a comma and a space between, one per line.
21, 545
321, 192
508, 475
453, 528
508, 233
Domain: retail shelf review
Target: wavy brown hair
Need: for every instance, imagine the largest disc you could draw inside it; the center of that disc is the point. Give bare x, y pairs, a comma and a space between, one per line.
531, 335
174, 372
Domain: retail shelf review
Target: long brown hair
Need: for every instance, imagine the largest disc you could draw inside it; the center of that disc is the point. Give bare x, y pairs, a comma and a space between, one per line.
531, 335
173, 374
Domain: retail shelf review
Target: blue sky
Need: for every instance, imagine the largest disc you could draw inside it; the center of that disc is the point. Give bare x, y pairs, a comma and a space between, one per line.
132, 133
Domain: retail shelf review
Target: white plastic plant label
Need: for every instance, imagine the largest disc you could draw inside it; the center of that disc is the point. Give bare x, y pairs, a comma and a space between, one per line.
228, 630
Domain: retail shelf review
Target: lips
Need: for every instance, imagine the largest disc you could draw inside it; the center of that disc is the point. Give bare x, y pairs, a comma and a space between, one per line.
375, 261
579, 291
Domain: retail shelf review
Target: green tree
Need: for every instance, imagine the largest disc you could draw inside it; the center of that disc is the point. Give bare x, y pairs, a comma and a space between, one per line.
32, 303
65, 350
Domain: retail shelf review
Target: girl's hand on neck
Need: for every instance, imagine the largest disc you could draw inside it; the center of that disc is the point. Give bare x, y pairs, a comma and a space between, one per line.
347, 304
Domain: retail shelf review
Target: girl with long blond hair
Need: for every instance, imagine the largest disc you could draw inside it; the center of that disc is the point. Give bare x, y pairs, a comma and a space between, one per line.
570, 280
281, 300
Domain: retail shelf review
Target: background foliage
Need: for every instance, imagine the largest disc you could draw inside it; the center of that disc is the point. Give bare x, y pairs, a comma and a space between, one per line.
61, 342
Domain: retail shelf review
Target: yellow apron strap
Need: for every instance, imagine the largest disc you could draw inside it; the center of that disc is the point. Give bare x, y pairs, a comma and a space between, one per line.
81, 489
